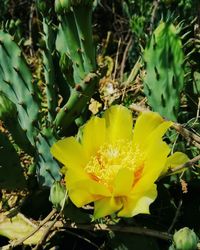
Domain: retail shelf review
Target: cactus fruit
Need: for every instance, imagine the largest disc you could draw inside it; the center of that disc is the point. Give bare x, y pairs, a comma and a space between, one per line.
164, 79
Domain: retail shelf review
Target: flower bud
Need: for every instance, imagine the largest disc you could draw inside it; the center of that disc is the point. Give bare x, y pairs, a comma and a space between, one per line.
185, 239
57, 195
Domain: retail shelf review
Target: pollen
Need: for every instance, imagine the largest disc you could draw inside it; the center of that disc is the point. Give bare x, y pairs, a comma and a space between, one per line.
110, 158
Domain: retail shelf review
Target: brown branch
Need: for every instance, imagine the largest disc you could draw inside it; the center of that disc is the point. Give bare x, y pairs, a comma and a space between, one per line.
46, 233
50, 226
116, 228
185, 165
186, 133
191, 137
20, 242
125, 54
116, 59
77, 235
176, 216
153, 15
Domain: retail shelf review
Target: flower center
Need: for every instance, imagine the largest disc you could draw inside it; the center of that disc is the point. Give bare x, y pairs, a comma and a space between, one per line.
110, 158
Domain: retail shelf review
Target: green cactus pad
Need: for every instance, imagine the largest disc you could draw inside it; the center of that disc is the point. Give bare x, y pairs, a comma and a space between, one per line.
47, 168
164, 79
8, 114
16, 84
79, 97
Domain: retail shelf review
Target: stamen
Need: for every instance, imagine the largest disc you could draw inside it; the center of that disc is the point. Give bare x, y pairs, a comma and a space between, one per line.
110, 158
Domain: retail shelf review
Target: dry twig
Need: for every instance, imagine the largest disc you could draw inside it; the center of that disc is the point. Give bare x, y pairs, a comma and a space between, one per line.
191, 137
183, 166
20, 242
116, 228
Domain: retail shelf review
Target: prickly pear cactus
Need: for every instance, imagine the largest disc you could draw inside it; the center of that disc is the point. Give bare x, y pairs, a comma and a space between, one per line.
19, 96
74, 42
164, 79
75, 36
47, 168
68, 47
52, 73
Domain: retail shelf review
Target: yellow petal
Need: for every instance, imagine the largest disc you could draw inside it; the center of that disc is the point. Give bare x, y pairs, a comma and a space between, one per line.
158, 132
81, 197
92, 186
94, 133
74, 175
145, 125
138, 204
106, 206
156, 157
119, 123
123, 182
175, 160
69, 152
85, 191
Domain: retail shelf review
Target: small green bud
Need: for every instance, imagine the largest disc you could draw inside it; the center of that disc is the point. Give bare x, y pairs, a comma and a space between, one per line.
185, 239
7, 108
62, 6
18, 22
58, 7
57, 195
172, 247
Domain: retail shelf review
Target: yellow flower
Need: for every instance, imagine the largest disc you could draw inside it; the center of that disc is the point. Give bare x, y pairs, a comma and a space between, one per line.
115, 166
